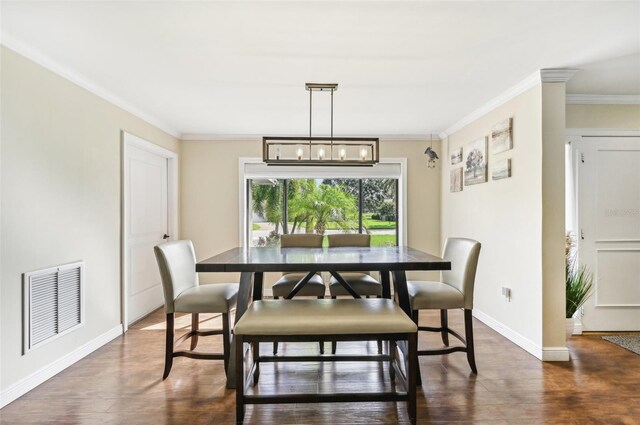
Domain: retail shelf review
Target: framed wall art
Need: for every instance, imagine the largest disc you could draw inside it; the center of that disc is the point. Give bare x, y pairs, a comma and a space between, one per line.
475, 168
455, 182
501, 169
456, 156
501, 139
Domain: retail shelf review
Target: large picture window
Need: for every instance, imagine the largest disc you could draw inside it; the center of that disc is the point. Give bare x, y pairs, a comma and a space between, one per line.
277, 200
323, 206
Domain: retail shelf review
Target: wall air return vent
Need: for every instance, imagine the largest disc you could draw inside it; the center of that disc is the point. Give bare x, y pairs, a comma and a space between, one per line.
52, 303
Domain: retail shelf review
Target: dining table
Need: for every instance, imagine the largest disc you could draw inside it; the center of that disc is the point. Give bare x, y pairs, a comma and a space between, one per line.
253, 262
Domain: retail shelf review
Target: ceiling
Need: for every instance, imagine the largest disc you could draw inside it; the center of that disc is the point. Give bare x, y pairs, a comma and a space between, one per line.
403, 68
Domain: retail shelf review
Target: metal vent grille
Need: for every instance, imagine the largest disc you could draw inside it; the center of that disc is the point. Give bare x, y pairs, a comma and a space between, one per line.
52, 303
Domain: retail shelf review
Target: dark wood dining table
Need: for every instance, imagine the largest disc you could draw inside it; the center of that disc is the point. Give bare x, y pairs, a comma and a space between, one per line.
253, 262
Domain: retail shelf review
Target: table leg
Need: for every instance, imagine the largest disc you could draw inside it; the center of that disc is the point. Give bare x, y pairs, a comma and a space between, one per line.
386, 284
400, 287
244, 294
258, 279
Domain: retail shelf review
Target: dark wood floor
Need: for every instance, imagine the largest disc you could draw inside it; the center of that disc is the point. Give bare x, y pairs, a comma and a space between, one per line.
121, 384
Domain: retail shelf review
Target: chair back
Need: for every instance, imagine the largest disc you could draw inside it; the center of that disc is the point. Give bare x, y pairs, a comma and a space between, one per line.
301, 240
349, 239
463, 254
177, 264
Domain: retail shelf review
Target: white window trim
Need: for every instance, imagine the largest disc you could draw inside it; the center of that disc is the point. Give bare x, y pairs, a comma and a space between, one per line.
261, 170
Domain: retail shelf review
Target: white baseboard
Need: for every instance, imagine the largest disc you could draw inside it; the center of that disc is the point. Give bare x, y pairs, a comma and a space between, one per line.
38, 377
555, 354
542, 353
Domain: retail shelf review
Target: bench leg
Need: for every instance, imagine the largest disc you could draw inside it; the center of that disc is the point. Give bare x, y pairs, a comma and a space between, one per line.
412, 377
393, 352
240, 381
255, 350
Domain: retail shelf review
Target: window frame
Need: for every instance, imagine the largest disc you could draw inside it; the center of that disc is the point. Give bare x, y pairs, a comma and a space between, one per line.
254, 168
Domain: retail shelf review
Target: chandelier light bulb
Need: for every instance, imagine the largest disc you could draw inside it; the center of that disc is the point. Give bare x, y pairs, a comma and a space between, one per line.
299, 153
321, 153
342, 153
363, 153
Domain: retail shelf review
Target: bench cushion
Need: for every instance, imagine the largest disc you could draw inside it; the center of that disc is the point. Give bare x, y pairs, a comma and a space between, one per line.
324, 317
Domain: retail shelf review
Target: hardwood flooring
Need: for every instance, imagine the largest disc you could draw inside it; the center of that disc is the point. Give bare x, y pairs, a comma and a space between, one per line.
121, 384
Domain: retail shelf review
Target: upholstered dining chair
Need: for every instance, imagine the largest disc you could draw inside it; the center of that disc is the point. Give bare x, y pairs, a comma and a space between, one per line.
314, 287
361, 282
184, 294
453, 291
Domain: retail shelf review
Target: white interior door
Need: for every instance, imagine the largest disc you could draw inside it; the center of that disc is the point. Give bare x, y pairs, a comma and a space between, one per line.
609, 223
146, 224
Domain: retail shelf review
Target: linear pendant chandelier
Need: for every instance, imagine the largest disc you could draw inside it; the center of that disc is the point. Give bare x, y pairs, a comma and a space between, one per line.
352, 151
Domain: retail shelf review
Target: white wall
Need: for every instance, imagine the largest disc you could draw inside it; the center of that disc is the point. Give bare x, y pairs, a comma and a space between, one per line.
60, 200
210, 214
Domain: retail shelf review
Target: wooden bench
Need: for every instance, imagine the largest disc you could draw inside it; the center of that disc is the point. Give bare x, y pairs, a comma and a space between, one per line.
330, 319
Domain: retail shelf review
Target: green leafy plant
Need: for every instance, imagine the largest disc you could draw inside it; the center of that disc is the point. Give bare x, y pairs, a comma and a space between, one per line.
579, 280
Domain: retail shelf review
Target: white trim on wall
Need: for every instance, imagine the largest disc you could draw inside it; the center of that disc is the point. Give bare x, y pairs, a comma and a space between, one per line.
25, 385
574, 134
603, 99
129, 139
542, 353
529, 82
261, 170
48, 63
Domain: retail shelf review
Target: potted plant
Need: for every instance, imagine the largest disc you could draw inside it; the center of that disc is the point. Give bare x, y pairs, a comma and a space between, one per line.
578, 286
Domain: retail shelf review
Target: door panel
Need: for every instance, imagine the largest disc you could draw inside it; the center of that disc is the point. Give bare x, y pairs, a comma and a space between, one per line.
145, 226
609, 220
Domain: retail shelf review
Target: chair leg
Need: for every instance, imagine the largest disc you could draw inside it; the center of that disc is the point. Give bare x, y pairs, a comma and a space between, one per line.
226, 339
195, 325
444, 324
239, 380
334, 347
168, 354
415, 316
468, 331
275, 343
379, 346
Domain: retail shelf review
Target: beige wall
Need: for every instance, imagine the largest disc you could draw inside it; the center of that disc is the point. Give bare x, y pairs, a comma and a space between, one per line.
60, 201
553, 215
506, 217
603, 116
210, 213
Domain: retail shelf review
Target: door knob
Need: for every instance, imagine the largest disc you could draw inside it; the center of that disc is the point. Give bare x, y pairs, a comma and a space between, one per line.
165, 237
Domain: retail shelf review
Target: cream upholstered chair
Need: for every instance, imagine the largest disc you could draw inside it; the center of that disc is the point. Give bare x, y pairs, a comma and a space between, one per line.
455, 290
314, 287
363, 283
184, 294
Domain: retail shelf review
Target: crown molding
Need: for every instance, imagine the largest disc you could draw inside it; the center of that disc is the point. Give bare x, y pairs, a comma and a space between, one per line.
53, 66
603, 99
201, 137
557, 75
549, 75
521, 87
